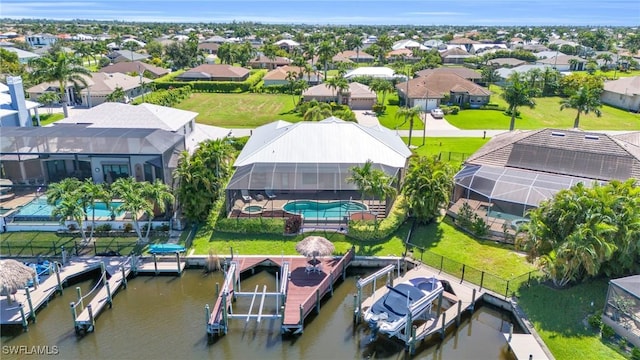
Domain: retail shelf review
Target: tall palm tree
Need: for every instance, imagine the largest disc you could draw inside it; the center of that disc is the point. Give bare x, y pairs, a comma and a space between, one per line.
94, 192
69, 207
584, 100
326, 51
517, 93
385, 43
117, 95
353, 41
310, 51
133, 199
63, 69
383, 87
409, 114
489, 75
159, 195
361, 177
56, 191
291, 78
427, 187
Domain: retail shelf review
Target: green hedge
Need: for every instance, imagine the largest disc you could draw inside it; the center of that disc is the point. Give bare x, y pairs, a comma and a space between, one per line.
251, 225
170, 76
366, 230
165, 97
216, 86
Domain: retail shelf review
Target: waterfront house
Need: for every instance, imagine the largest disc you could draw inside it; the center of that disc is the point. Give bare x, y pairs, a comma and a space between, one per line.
214, 72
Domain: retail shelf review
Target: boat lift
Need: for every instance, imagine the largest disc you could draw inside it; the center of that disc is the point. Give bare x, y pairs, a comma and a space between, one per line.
218, 319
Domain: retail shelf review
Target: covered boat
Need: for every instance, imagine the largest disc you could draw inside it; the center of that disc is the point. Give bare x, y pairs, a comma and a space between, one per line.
165, 248
390, 313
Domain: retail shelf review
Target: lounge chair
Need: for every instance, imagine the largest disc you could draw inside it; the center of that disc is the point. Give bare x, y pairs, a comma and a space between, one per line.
245, 195
270, 194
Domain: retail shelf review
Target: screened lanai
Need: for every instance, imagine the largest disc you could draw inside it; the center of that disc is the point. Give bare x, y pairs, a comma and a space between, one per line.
510, 190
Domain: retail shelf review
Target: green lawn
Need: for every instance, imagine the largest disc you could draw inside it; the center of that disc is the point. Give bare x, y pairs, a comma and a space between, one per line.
559, 317
546, 113
240, 110
388, 118
46, 119
452, 149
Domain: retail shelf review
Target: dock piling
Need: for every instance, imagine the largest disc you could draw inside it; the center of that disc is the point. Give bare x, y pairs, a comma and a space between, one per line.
25, 323
330, 282
155, 263
444, 325
91, 318
356, 310
109, 299
57, 270
178, 262
207, 314
31, 312
217, 289
73, 312
124, 277
79, 295
301, 317
318, 301
510, 332
459, 310
473, 300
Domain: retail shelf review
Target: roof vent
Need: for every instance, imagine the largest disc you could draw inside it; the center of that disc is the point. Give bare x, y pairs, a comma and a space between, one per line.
555, 133
592, 137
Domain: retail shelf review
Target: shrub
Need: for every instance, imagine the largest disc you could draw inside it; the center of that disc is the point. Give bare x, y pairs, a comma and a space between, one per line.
607, 332
163, 227
72, 227
508, 113
595, 321
379, 108
635, 353
166, 97
128, 227
370, 230
293, 224
103, 227
479, 226
257, 225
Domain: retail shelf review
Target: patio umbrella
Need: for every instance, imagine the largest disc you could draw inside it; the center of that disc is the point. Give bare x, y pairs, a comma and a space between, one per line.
14, 275
315, 246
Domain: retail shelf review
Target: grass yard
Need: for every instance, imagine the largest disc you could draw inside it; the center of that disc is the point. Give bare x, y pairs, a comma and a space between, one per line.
559, 316
458, 148
546, 113
388, 118
46, 119
240, 110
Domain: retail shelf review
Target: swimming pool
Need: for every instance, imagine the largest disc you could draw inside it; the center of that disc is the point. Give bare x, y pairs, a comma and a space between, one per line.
315, 210
38, 208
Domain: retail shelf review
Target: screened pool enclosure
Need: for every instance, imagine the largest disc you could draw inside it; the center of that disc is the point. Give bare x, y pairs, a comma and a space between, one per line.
510, 190
622, 309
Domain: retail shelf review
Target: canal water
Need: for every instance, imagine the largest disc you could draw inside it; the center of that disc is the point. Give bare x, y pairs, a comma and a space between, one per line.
164, 318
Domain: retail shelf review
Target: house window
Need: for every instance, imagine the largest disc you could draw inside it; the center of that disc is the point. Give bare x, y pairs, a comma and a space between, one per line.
148, 172
114, 171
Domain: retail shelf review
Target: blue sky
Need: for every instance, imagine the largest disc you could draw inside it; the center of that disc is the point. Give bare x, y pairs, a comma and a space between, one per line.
369, 12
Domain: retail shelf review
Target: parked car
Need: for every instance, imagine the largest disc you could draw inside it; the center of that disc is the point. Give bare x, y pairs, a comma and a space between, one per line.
437, 113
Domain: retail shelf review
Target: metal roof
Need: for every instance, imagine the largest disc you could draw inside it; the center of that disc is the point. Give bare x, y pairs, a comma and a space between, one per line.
330, 141
630, 284
78, 139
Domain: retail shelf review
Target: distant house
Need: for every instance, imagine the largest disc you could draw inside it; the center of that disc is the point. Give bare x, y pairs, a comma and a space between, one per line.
504, 73
263, 62
128, 67
287, 45
463, 72
23, 55
378, 72
623, 93
464, 42
428, 91
480, 48
278, 76
350, 56
214, 72
38, 40
210, 48
117, 56
455, 55
564, 62
407, 44
99, 86
506, 62
357, 97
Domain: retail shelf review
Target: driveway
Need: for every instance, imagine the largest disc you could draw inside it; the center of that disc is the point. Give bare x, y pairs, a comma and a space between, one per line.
366, 118
437, 124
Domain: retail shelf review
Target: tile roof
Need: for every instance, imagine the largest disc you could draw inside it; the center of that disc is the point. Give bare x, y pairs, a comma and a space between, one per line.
219, 70
134, 66
628, 86
435, 85
460, 71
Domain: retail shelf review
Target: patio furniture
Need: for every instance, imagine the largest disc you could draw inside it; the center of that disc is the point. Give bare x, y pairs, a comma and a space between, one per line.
270, 194
245, 195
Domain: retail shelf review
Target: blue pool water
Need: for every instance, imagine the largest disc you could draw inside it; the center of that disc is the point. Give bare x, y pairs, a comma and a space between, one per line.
334, 210
39, 208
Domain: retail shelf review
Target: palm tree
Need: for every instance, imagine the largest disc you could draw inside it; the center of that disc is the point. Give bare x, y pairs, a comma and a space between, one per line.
69, 207
92, 192
82, 50
584, 100
409, 114
317, 113
63, 69
158, 194
427, 187
381, 86
354, 42
57, 191
489, 75
292, 77
361, 177
118, 95
310, 51
133, 199
49, 98
517, 93
385, 43
326, 51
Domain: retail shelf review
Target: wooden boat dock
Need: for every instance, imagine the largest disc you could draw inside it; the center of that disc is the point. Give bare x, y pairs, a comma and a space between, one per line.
29, 300
298, 289
157, 265
114, 274
461, 296
525, 347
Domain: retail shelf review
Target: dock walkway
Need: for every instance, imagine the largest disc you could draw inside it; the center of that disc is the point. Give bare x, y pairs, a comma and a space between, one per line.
10, 313
118, 269
525, 347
